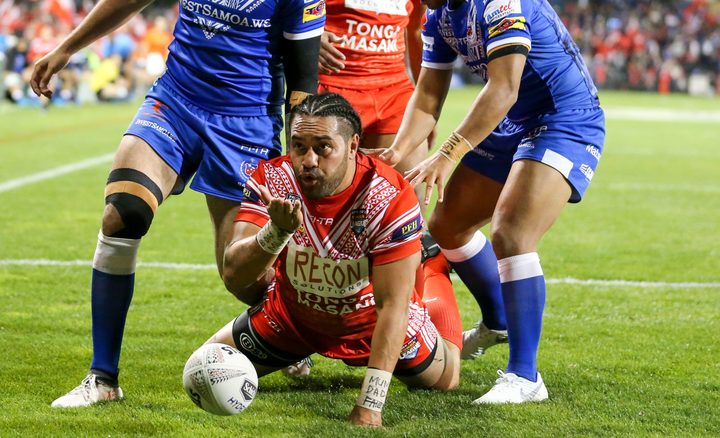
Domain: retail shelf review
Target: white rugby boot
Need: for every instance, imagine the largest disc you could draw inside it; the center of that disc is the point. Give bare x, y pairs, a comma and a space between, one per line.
480, 338
89, 392
300, 369
511, 388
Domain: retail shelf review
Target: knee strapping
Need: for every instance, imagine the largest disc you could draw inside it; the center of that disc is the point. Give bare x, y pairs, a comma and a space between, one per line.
135, 197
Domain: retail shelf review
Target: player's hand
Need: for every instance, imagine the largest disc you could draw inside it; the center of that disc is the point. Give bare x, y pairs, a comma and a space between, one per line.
330, 59
365, 417
386, 155
285, 213
433, 171
45, 68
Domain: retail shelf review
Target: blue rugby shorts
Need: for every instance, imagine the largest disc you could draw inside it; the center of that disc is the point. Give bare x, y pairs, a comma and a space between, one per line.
570, 141
222, 151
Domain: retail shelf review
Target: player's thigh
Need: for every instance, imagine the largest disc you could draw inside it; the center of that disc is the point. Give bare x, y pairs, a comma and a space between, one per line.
470, 200
443, 372
135, 153
532, 199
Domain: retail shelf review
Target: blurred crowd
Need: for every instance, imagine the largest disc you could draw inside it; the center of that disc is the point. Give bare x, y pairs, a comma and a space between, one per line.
118, 67
649, 45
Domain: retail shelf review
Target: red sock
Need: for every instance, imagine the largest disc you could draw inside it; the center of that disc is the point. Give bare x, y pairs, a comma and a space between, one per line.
439, 298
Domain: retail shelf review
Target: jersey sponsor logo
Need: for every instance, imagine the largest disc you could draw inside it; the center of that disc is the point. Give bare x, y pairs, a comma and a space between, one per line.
498, 9
428, 43
366, 37
505, 25
210, 11
391, 7
335, 306
407, 229
314, 11
324, 276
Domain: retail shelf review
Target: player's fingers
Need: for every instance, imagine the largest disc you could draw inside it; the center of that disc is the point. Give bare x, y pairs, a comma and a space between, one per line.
44, 81
411, 174
35, 78
372, 151
440, 189
428, 193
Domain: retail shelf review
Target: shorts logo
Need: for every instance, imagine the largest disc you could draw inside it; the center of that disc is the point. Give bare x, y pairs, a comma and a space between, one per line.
314, 11
246, 171
248, 345
592, 150
505, 25
358, 220
587, 171
410, 349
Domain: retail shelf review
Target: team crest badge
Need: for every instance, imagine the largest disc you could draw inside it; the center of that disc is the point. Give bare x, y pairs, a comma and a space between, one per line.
358, 220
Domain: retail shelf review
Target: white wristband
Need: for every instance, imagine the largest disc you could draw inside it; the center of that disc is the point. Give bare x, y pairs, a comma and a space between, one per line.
374, 389
272, 239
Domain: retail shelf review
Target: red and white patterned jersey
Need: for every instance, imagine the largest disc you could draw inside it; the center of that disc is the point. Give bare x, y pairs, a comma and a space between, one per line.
324, 275
373, 33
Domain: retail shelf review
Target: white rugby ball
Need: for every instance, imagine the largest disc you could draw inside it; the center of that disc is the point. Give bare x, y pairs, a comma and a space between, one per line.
220, 379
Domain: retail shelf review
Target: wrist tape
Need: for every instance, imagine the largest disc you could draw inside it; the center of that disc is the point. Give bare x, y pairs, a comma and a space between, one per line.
272, 239
455, 147
374, 389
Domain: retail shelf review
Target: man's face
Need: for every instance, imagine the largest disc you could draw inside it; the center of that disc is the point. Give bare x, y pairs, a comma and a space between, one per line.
320, 154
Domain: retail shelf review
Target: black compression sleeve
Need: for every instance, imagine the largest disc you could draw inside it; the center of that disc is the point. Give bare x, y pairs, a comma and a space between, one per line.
300, 60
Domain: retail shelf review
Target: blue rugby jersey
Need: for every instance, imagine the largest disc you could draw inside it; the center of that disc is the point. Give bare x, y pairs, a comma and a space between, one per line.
226, 53
555, 76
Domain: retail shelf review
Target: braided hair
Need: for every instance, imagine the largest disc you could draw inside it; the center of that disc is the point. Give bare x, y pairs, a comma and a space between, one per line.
330, 105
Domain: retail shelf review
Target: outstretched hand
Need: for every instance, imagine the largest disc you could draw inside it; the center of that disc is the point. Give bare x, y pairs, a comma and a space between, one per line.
45, 68
286, 214
433, 171
330, 59
365, 417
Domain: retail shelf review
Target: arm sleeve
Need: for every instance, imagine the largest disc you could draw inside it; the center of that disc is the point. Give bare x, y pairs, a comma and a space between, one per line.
300, 60
437, 54
506, 23
400, 229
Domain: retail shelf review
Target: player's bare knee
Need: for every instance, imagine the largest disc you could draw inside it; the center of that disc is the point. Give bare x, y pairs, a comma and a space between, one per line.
134, 198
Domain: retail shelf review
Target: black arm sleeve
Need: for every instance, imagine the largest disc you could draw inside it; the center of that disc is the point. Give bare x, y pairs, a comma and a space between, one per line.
300, 60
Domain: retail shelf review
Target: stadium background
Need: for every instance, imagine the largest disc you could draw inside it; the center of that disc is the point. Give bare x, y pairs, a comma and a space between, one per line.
630, 338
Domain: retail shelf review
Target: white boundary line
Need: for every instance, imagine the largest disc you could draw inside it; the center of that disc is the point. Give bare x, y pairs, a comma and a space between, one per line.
206, 267
55, 172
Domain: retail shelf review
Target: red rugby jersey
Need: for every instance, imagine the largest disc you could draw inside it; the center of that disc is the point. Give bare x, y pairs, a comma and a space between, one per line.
373, 33
324, 275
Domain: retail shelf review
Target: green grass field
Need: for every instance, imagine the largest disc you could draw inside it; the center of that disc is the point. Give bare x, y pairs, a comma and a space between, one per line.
635, 353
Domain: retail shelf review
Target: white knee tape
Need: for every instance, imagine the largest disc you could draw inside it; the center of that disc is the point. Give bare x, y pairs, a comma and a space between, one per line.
116, 256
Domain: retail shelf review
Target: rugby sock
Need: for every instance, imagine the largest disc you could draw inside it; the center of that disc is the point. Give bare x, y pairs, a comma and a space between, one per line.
523, 289
476, 264
113, 281
440, 299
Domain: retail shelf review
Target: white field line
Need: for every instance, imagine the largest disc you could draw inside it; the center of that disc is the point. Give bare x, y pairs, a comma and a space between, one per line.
691, 188
55, 172
662, 115
211, 267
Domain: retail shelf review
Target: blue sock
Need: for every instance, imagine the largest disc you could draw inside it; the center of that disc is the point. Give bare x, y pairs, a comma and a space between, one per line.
476, 264
111, 296
523, 290
113, 282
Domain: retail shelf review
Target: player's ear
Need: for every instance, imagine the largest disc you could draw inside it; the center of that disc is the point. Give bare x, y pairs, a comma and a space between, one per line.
354, 144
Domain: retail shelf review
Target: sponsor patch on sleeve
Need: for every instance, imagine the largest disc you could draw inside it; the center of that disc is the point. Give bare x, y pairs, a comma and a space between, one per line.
407, 229
499, 9
314, 11
505, 25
